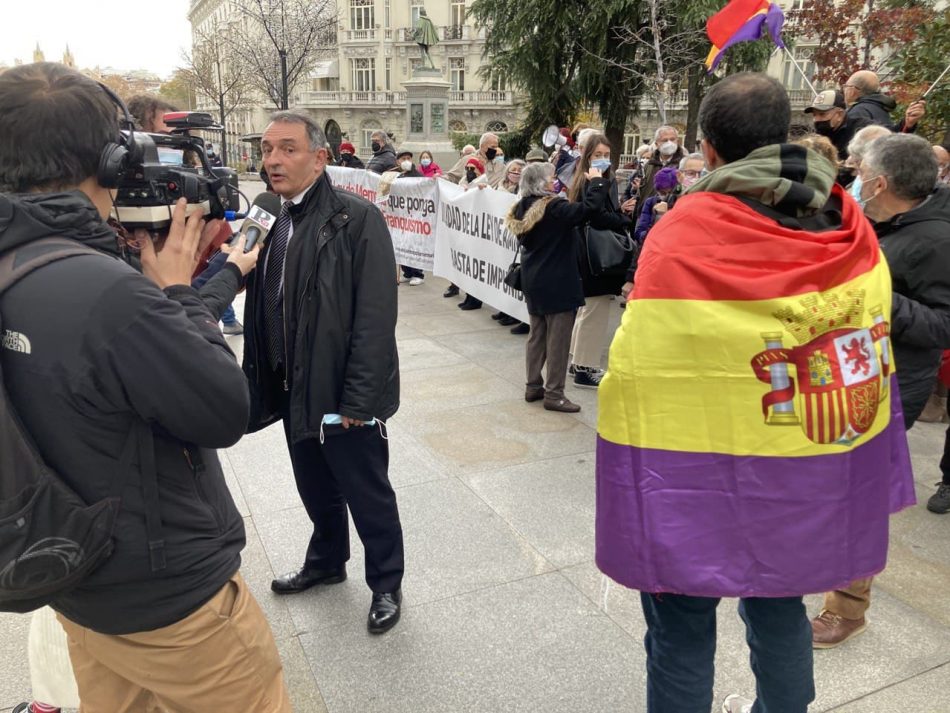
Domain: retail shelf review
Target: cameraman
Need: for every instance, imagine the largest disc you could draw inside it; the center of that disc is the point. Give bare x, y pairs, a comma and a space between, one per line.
112, 351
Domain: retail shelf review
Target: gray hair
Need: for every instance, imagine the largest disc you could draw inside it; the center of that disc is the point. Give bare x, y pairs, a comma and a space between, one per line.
661, 129
691, 157
485, 137
534, 178
584, 135
515, 163
315, 135
908, 162
863, 139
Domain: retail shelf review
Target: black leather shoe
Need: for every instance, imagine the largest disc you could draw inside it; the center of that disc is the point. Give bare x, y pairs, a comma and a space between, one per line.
452, 291
303, 579
384, 611
470, 303
521, 328
507, 321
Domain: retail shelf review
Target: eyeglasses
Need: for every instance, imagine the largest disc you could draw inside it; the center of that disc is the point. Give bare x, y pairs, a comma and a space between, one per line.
692, 174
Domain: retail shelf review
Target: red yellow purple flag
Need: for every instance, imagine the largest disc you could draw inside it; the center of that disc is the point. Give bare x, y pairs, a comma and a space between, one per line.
742, 21
750, 437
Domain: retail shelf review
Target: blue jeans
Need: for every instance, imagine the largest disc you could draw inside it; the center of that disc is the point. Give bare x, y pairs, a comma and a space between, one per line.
214, 266
681, 648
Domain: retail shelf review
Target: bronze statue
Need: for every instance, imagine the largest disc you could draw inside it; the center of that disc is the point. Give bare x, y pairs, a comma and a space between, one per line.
426, 37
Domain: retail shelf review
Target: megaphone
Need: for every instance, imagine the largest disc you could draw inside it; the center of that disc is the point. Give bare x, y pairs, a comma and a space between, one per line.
552, 137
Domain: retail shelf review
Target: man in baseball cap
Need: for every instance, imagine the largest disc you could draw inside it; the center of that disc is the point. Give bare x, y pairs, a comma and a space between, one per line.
831, 120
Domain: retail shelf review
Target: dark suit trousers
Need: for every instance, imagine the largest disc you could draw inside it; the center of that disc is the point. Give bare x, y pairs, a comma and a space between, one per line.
350, 468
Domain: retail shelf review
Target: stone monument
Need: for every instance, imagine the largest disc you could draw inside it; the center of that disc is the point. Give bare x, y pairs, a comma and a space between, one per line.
427, 102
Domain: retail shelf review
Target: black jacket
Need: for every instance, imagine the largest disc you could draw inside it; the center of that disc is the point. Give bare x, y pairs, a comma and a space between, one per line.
651, 168
411, 173
109, 349
350, 161
547, 229
340, 317
608, 217
917, 247
842, 136
876, 109
383, 160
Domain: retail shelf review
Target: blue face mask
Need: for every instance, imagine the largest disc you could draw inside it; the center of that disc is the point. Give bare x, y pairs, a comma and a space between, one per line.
855, 190
601, 164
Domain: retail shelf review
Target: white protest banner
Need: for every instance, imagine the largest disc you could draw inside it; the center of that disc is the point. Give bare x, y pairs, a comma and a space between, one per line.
409, 207
474, 249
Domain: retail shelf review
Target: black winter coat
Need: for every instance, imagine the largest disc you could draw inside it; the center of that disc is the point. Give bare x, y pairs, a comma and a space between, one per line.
547, 229
339, 313
876, 109
608, 217
842, 136
383, 160
917, 247
107, 349
350, 161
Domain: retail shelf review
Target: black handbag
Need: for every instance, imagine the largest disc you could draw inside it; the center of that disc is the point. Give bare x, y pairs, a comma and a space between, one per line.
607, 249
513, 278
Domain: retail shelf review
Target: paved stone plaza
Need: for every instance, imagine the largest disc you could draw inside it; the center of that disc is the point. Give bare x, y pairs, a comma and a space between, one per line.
504, 609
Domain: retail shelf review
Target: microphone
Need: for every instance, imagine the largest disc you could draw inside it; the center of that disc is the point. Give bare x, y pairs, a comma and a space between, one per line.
260, 219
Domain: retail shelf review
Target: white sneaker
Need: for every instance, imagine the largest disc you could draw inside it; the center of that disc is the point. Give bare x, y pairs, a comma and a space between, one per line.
415, 281
736, 704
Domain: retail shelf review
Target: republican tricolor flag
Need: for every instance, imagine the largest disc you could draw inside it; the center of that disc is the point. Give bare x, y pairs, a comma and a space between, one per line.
742, 21
750, 436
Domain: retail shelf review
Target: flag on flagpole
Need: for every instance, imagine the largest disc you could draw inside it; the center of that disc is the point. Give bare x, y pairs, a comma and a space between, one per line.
742, 21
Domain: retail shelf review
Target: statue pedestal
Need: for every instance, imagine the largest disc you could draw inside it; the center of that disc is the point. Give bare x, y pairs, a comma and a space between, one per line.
427, 116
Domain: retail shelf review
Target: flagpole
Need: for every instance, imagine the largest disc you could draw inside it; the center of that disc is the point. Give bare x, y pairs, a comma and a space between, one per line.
937, 82
802, 71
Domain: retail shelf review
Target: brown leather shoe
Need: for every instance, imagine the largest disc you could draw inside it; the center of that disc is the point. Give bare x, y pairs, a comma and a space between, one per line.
829, 630
561, 404
533, 393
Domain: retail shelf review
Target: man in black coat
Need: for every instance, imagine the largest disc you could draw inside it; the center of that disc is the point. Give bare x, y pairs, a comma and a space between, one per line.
862, 93
320, 354
111, 370
912, 221
832, 121
384, 155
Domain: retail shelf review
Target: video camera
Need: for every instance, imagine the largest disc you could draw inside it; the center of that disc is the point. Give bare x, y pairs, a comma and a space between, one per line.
173, 166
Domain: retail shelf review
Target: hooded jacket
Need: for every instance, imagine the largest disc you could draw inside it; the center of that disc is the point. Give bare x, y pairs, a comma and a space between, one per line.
877, 109
383, 160
340, 311
107, 349
917, 247
350, 161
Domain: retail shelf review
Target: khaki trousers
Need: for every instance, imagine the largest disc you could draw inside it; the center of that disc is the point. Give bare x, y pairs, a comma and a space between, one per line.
851, 602
548, 344
590, 331
220, 658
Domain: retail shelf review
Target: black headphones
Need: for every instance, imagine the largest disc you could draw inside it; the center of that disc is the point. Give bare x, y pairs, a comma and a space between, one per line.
118, 155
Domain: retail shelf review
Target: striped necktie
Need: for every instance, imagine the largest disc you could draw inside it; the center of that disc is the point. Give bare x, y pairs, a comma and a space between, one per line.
273, 288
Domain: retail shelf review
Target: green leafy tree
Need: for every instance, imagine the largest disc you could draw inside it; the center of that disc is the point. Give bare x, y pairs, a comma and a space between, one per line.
179, 90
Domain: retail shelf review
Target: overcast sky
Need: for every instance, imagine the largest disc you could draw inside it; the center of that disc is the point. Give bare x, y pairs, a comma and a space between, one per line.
108, 33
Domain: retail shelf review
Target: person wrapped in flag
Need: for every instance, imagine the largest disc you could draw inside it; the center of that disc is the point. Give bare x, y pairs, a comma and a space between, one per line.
750, 436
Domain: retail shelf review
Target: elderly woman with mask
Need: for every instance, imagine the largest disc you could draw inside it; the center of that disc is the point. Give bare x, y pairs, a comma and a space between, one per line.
545, 225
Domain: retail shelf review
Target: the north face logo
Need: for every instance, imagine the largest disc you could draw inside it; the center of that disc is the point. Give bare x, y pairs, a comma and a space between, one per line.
16, 342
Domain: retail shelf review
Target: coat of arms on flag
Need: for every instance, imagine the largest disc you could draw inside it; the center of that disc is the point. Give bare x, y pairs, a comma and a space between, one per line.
840, 376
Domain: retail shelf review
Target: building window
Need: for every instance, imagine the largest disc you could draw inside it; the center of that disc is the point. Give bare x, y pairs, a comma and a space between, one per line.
793, 78
498, 82
458, 126
363, 74
366, 133
386, 13
457, 13
389, 74
497, 127
414, 11
457, 73
361, 15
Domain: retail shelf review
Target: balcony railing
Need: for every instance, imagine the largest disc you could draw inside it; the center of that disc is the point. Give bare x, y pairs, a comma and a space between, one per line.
482, 98
359, 35
350, 98
448, 33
